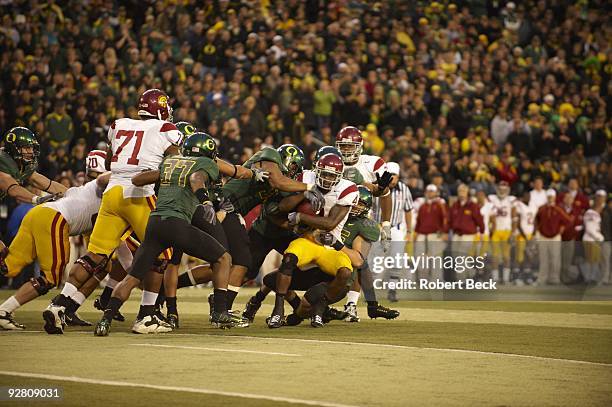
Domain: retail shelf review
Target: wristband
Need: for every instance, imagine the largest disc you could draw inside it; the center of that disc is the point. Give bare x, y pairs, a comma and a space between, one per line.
338, 245
49, 186
385, 223
309, 187
11, 186
236, 171
34, 199
202, 195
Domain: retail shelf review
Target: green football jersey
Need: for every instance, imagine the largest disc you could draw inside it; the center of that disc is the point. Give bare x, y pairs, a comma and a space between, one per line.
9, 166
353, 174
264, 226
176, 198
364, 227
246, 194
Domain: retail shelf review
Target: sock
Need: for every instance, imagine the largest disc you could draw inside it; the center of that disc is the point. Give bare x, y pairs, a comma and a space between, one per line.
161, 299
61, 300
71, 307
352, 296
319, 307
69, 290
145, 310
220, 297
111, 310
107, 292
260, 296
185, 280
78, 297
171, 305
279, 304
372, 303
232, 292
10, 305
295, 302
148, 297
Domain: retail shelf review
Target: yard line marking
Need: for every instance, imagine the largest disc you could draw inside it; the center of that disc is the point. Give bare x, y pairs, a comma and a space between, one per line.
385, 345
173, 388
216, 349
380, 345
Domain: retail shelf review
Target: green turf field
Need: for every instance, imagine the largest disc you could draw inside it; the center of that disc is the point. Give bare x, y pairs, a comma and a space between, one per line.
437, 353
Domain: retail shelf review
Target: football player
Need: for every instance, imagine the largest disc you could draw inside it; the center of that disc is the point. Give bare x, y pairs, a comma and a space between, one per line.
370, 171
339, 196
244, 195
504, 209
524, 223
183, 186
43, 236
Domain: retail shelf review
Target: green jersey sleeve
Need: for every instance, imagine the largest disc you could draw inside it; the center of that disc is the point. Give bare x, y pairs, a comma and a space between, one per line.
368, 229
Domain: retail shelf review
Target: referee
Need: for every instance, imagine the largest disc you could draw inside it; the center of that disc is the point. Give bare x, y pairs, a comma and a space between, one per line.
401, 214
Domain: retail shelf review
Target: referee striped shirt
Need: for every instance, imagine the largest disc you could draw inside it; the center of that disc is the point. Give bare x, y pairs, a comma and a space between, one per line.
401, 202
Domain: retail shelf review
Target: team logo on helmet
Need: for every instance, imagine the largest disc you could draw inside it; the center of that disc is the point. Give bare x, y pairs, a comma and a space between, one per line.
163, 101
11, 137
210, 144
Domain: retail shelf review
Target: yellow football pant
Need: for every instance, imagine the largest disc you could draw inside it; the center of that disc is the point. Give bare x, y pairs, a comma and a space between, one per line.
521, 244
500, 244
43, 235
116, 215
328, 260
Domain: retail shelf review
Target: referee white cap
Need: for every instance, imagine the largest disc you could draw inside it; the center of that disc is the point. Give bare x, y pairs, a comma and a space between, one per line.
393, 168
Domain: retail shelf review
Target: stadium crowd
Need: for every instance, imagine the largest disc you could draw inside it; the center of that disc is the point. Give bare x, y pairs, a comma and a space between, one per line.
456, 92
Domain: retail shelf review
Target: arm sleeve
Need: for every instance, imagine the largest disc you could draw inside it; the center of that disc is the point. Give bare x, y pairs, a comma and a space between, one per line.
349, 196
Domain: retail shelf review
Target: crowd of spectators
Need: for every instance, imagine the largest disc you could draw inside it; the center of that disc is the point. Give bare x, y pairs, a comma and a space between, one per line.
464, 91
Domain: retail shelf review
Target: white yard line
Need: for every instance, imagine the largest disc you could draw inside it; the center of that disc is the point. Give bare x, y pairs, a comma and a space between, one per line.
75, 379
379, 345
216, 349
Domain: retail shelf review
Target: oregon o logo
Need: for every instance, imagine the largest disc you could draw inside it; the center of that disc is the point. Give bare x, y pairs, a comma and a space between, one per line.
292, 151
189, 130
209, 144
11, 137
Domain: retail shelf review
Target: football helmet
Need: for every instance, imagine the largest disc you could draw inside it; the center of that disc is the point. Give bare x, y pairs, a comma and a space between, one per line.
328, 171
155, 103
350, 143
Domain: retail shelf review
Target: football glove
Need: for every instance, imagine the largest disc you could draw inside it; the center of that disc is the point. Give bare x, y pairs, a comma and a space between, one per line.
316, 199
384, 180
260, 175
209, 214
38, 200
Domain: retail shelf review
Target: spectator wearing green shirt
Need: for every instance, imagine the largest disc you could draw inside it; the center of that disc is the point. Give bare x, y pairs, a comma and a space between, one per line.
58, 125
324, 99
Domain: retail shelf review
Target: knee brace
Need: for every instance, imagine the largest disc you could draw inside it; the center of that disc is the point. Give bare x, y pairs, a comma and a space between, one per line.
315, 293
270, 280
97, 270
288, 264
41, 285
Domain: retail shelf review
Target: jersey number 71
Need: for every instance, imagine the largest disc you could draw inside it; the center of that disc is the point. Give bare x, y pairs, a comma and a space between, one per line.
128, 135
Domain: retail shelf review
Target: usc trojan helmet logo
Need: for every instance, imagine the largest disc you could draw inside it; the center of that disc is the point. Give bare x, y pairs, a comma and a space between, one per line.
163, 101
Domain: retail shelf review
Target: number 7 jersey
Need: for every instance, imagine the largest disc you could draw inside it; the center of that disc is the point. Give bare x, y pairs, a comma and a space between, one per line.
138, 145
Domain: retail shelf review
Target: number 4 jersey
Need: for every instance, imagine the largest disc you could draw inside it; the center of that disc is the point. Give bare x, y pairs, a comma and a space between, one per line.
138, 145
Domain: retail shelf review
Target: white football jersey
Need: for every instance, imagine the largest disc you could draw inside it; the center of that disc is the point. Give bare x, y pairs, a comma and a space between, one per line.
416, 204
368, 166
502, 208
78, 206
486, 211
526, 214
592, 226
138, 145
345, 193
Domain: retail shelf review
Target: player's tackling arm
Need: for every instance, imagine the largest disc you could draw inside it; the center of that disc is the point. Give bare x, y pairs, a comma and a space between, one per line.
234, 171
12, 188
358, 252
198, 181
289, 203
329, 222
103, 179
45, 184
278, 181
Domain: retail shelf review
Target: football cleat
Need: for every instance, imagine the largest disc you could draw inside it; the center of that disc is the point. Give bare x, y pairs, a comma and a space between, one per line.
378, 311
316, 321
8, 323
351, 312
211, 304
222, 320
275, 321
159, 314
173, 320
293, 320
98, 305
102, 328
54, 319
75, 320
392, 296
251, 310
238, 320
150, 324
333, 314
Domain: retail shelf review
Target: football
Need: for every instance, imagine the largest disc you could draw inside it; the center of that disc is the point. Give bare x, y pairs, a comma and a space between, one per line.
305, 207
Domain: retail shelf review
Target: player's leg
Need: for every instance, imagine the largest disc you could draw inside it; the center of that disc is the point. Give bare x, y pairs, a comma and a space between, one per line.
116, 274
156, 239
13, 259
238, 240
299, 253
